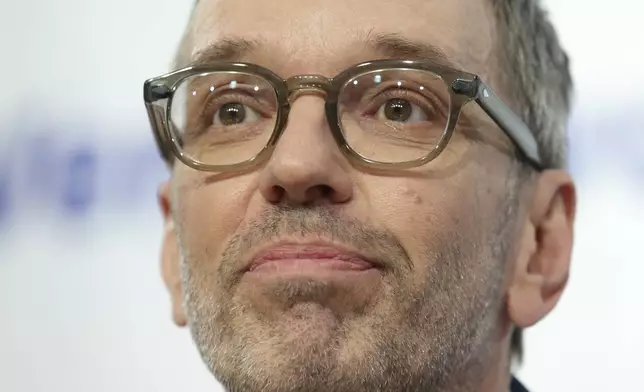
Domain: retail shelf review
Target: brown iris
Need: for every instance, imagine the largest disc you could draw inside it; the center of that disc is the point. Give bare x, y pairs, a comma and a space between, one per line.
398, 110
232, 113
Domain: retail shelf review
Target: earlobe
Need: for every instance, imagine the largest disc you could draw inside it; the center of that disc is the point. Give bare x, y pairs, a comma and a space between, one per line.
170, 258
542, 268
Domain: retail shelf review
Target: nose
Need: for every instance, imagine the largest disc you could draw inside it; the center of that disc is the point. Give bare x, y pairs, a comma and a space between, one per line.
307, 167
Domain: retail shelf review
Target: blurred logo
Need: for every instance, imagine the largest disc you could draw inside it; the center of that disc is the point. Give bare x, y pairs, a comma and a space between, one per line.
77, 172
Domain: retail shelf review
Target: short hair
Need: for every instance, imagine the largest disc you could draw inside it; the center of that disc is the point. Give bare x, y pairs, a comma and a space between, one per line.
534, 74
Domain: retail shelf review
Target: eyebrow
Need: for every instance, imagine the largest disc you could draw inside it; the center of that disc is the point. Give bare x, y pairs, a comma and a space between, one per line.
391, 45
394, 45
227, 49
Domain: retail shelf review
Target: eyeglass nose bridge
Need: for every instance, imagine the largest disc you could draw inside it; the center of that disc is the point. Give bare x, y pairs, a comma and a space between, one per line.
307, 84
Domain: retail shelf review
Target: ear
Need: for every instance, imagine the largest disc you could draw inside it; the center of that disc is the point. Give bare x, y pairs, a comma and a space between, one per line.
170, 259
543, 265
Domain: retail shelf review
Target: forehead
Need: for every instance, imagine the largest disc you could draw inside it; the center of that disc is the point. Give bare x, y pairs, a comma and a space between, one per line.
318, 36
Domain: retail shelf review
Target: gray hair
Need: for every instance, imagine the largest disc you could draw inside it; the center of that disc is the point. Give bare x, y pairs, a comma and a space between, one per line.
534, 74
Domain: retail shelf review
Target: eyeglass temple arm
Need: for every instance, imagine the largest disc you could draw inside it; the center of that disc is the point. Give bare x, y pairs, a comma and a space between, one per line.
513, 126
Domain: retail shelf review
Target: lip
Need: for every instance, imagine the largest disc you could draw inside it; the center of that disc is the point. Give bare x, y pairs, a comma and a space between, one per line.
296, 256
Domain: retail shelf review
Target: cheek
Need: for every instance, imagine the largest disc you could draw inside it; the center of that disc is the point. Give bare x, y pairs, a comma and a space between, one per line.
424, 213
209, 213
414, 209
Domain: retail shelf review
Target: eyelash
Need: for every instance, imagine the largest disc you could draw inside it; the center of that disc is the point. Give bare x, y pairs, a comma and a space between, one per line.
382, 97
213, 105
432, 107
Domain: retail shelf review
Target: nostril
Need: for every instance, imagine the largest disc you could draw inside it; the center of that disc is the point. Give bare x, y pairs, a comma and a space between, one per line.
319, 192
326, 191
277, 194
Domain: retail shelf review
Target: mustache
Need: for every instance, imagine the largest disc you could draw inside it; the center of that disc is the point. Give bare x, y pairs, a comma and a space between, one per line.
285, 221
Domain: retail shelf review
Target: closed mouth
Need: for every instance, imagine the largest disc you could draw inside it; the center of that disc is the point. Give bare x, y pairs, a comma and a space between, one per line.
285, 255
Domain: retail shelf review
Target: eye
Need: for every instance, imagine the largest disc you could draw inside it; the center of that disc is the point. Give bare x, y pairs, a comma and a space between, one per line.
233, 113
401, 110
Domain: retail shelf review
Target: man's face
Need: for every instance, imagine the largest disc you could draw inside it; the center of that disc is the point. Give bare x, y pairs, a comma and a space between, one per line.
435, 239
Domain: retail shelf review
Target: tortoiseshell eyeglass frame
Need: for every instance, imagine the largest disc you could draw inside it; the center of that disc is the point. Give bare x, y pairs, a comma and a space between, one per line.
463, 87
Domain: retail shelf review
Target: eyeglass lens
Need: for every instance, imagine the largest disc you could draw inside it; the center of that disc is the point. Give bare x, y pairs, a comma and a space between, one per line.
389, 116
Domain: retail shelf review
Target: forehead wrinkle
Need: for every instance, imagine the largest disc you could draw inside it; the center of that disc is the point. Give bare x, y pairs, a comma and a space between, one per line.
310, 45
357, 49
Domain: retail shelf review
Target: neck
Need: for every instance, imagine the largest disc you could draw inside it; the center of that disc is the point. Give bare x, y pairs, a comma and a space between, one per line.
491, 376
498, 378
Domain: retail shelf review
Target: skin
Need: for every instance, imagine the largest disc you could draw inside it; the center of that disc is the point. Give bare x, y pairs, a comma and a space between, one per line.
469, 249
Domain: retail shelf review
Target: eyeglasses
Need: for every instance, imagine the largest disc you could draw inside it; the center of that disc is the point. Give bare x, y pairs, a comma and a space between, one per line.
383, 114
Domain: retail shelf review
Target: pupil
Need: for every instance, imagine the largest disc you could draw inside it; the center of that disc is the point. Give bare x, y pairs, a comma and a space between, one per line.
398, 110
232, 113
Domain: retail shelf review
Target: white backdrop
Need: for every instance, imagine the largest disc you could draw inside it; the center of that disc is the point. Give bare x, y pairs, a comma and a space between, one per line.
82, 307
